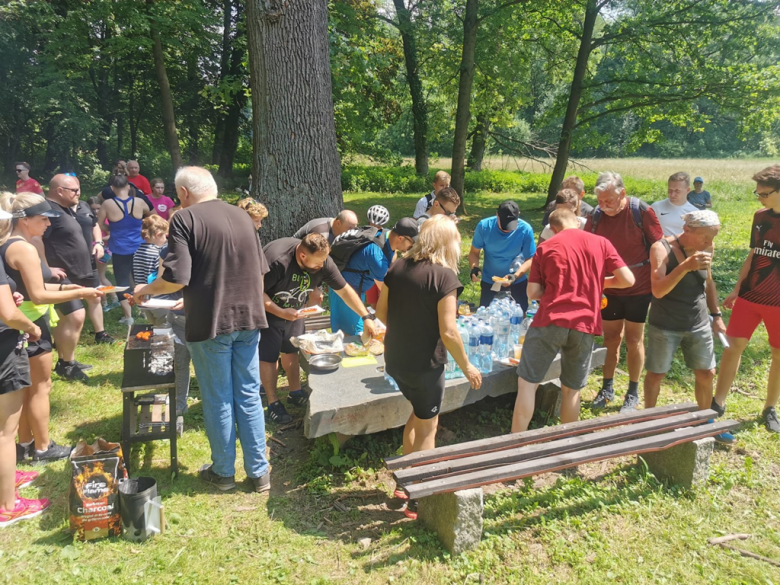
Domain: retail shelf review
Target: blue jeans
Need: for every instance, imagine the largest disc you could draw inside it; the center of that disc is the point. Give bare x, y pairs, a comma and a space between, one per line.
228, 372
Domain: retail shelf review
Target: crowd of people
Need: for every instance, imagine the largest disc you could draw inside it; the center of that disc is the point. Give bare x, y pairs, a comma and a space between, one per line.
238, 304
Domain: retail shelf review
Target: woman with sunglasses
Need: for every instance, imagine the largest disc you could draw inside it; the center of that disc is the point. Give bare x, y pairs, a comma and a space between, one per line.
30, 218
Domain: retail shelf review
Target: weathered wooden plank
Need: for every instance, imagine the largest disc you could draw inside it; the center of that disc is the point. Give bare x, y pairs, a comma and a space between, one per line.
539, 450
557, 462
536, 436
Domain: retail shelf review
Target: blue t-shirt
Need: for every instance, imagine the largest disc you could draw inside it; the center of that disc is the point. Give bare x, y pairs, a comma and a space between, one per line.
501, 248
370, 258
700, 200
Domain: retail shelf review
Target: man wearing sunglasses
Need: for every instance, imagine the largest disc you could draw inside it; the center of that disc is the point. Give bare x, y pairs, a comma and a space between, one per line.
25, 184
446, 202
756, 298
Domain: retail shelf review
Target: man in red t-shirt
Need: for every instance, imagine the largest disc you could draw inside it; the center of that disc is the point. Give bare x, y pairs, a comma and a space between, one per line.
569, 272
24, 183
632, 227
135, 177
756, 298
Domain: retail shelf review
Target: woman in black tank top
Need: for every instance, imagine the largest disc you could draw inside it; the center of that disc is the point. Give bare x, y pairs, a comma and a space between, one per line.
31, 215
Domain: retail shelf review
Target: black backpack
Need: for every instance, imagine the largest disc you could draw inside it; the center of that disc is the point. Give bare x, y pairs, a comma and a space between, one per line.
637, 208
345, 245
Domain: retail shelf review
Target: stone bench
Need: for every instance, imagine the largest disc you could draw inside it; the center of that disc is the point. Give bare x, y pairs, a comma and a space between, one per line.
359, 401
675, 441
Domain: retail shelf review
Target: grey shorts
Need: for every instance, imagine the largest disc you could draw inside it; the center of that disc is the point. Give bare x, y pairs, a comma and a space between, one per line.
541, 346
697, 347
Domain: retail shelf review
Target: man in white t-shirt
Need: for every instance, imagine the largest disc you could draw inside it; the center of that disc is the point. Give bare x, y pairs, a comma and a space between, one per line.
440, 180
671, 210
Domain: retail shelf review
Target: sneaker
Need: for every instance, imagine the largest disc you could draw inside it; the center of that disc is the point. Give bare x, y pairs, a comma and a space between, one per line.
411, 509
603, 398
70, 371
109, 306
83, 367
725, 438
52, 453
630, 403
261, 484
297, 398
104, 337
23, 510
278, 413
24, 452
721, 410
399, 493
221, 483
25, 478
127, 321
770, 420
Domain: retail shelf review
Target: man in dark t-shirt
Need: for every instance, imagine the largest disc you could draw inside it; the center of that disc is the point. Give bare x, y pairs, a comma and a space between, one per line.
215, 257
576, 184
330, 227
756, 298
296, 269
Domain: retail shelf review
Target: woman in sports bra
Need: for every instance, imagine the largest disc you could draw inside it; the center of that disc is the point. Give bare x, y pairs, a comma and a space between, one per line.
124, 214
31, 215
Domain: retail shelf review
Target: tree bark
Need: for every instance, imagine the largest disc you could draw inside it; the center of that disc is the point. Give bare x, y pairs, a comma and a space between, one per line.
169, 118
227, 28
463, 113
575, 95
296, 166
193, 111
419, 107
479, 142
232, 120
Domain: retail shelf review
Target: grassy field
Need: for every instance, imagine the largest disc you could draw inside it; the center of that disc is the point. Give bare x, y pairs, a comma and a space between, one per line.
609, 522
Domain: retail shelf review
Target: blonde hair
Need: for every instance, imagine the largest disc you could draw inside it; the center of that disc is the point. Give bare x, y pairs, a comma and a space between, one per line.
255, 209
12, 202
153, 225
442, 176
438, 242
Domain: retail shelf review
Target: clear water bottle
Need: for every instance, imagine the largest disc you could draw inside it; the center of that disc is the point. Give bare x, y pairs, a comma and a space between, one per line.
530, 314
516, 263
392, 382
486, 348
515, 321
501, 348
472, 332
464, 336
449, 368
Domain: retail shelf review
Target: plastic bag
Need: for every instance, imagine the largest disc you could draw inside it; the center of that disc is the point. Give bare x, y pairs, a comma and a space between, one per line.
320, 342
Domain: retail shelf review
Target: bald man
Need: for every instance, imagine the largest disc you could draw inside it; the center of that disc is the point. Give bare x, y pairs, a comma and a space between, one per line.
330, 227
136, 178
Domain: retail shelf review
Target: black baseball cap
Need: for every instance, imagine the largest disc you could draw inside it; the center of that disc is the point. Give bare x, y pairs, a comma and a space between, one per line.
406, 226
508, 212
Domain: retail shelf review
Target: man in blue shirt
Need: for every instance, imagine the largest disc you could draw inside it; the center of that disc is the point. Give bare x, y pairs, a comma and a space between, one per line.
368, 266
509, 248
699, 197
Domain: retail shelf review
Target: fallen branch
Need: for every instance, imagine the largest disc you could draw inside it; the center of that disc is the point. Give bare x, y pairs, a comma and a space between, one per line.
722, 540
728, 537
275, 440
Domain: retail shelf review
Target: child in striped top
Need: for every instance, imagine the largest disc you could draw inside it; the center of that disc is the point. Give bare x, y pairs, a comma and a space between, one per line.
146, 260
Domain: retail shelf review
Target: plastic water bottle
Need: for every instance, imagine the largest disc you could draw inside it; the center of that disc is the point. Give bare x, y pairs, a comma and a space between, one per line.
473, 344
501, 346
515, 321
530, 314
516, 263
392, 382
486, 348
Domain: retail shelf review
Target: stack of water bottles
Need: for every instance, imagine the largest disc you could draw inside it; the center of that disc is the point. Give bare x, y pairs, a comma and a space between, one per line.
491, 334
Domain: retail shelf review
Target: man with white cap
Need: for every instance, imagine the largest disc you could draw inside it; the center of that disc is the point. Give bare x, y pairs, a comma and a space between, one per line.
684, 300
671, 209
699, 198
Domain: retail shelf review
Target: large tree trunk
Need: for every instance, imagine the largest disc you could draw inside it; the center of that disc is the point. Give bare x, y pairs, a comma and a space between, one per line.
463, 114
419, 108
169, 118
296, 166
232, 120
193, 111
575, 94
227, 28
479, 142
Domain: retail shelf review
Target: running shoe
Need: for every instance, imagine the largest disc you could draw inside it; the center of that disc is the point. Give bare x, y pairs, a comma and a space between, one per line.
400, 493
411, 509
109, 306
278, 413
127, 321
261, 484
25, 478
770, 420
630, 403
297, 398
725, 438
70, 371
83, 367
23, 510
221, 483
104, 337
603, 398
52, 453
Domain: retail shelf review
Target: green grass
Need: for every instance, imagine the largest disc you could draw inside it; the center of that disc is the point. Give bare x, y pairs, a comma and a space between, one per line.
611, 522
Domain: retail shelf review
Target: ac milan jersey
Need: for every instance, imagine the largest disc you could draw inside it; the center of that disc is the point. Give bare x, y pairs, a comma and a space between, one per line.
762, 284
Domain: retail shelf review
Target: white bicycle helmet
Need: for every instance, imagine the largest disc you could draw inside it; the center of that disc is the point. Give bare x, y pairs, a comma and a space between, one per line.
378, 215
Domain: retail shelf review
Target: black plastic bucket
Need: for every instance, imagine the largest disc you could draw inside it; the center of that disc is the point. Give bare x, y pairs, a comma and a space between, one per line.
133, 494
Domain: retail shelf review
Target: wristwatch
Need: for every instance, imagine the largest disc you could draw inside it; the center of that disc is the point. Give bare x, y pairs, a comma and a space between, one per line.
368, 316
718, 314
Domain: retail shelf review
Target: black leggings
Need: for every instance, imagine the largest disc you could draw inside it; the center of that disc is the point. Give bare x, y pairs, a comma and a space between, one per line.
123, 269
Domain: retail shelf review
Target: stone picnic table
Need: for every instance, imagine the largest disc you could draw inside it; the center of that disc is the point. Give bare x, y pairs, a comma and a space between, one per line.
359, 401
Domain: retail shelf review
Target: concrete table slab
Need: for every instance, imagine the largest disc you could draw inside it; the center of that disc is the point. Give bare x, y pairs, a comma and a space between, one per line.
359, 401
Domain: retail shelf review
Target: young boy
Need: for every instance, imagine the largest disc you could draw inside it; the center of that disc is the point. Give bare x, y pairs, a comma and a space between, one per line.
162, 204
146, 260
440, 181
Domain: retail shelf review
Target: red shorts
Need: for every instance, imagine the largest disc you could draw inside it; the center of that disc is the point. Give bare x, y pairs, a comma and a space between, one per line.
746, 316
372, 296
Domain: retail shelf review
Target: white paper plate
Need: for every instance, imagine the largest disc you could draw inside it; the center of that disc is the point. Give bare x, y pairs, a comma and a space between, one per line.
158, 304
310, 313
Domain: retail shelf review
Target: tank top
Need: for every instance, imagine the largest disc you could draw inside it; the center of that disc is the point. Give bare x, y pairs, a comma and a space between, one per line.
684, 308
125, 236
15, 275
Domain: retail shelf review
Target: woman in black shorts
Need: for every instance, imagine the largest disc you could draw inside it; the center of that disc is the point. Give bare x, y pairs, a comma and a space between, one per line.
419, 304
31, 214
14, 377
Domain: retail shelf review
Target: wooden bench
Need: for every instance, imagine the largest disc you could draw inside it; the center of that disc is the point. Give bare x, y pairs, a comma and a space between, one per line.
674, 440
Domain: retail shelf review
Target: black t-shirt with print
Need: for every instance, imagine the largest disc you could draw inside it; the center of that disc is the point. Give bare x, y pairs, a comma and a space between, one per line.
412, 342
288, 284
68, 240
